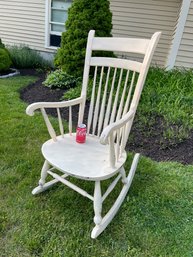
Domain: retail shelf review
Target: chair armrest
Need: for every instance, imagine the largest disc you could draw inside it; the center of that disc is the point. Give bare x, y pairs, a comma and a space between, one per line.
114, 126
32, 107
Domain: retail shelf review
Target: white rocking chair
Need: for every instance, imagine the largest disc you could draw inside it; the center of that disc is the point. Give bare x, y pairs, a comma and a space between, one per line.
114, 100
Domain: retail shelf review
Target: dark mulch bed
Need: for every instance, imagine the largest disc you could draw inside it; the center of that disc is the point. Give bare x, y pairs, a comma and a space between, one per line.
146, 145
2, 73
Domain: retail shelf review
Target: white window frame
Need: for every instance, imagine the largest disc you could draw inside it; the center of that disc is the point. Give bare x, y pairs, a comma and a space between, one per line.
48, 23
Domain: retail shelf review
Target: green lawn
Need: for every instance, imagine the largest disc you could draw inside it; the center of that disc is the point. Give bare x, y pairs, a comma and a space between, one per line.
156, 219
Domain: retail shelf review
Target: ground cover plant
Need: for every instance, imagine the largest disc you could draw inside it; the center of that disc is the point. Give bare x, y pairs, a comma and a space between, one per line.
169, 94
60, 79
155, 220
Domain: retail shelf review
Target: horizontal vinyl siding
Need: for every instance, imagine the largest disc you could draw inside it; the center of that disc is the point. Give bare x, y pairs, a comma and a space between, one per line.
185, 53
144, 17
23, 22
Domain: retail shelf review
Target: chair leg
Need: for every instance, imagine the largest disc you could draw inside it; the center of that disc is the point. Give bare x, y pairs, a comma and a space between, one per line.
97, 203
98, 229
123, 174
42, 186
44, 173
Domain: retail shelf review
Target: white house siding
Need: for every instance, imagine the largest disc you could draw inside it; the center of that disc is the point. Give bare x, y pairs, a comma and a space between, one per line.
185, 53
23, 22
144, 17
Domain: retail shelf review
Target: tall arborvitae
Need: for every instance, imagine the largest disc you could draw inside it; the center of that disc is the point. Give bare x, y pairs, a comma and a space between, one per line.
83, 16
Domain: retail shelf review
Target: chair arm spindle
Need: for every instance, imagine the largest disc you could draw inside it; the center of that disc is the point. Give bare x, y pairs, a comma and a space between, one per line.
115, 126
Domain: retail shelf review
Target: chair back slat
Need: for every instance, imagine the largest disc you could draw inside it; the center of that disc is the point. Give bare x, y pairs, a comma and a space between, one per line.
91, 109
108, 109
122, 97
102, 110
116, 63
113, 114
127, 103
60, 123
97, 104
70, 120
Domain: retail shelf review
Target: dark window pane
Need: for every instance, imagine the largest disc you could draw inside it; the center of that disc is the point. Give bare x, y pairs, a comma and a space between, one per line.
55, 40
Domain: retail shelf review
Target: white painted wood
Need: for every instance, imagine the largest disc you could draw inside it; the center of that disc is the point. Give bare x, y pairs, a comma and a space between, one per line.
112, 157
86, 74
118, 134
47, 185
116, 63
97, 203
102, 110
90, 115
119, 113
123, 174
70, 120
108, 111
122, 139
129, 95
114, 126
60, 123
49, 125
97, 230
133, 45
32, 107
185, 51
88, 161
44, 173
111, 187
97, 107
114, 110
47, 15
71, 185
103, 154
178, 34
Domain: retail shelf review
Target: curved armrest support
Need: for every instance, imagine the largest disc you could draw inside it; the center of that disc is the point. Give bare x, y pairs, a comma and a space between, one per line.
114, 126
32, 107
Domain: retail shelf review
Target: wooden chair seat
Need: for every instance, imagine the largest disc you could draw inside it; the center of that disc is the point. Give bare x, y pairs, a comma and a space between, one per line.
88, 161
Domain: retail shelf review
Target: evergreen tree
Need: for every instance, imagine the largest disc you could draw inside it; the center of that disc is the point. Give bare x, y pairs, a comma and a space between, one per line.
83, 16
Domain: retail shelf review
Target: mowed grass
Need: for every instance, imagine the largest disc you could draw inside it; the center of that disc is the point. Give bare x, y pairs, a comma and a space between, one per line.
156, 218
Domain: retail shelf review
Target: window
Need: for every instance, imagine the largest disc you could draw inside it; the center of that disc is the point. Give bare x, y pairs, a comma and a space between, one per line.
57, 16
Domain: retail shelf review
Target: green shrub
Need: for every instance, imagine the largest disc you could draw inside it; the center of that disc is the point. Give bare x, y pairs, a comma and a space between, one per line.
83, 16
24, 57
5, 60
60, 79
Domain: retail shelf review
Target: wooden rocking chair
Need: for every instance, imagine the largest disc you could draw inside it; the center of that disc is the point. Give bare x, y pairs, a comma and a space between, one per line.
116, 88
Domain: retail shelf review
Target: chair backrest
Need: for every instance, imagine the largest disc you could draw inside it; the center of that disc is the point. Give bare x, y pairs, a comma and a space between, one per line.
117, 83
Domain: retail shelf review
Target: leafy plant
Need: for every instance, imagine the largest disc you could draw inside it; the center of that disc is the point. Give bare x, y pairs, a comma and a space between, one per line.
25, 57
60, 79
83, 16
5, 59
